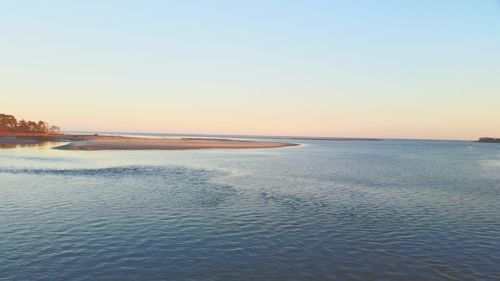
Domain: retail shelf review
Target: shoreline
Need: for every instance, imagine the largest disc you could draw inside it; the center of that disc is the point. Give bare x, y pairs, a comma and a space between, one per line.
99, 142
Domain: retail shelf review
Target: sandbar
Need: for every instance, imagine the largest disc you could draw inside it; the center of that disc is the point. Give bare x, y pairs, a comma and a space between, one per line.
123, 143
108, 142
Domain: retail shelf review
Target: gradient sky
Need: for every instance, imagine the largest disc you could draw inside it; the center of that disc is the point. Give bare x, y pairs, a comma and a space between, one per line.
406, 69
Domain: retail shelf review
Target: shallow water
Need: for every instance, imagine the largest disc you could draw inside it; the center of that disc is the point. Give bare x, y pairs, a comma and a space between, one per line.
326, 210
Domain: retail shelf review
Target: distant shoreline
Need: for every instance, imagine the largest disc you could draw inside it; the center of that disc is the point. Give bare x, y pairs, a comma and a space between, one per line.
489, 140
274, 137
100, 142
118, 141
229, 136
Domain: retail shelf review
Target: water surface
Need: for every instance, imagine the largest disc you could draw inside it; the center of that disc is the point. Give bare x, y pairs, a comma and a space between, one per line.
326, 210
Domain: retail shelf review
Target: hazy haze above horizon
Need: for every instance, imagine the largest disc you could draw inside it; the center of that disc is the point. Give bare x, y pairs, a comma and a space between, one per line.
403, 69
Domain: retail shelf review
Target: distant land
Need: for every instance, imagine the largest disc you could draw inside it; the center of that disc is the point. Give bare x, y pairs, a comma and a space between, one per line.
224, 136
490, 140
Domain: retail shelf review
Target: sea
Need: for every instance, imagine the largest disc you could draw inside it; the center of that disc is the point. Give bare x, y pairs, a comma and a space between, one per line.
323, 210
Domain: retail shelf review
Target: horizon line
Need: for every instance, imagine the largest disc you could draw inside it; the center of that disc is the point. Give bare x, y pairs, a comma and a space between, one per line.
273, 136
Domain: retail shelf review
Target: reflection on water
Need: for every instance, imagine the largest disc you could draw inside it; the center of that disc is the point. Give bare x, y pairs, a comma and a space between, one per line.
20, 145
389, 210
6, 145
43, 145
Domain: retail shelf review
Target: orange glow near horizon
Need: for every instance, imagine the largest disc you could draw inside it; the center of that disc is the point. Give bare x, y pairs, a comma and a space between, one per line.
319, 122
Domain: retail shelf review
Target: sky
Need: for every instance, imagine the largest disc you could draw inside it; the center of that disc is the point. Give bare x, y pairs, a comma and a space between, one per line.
394, 69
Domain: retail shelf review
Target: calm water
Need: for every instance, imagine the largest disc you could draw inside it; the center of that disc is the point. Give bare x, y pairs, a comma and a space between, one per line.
381, 210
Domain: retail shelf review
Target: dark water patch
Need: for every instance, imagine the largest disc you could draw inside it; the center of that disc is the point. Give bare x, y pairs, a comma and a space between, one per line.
121, 171
294, 202
173, 179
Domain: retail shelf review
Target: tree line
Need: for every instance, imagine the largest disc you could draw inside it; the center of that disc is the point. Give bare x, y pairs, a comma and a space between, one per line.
9, 124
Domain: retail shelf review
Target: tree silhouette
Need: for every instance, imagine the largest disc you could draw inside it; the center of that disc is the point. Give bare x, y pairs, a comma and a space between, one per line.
9, 124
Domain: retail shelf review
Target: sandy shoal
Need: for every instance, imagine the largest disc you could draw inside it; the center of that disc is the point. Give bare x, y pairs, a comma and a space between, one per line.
124, 143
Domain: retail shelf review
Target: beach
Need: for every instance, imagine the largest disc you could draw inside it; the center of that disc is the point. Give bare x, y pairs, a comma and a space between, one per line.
99, 142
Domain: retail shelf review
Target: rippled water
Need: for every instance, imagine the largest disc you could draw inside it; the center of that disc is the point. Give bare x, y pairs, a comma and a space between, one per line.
326, 210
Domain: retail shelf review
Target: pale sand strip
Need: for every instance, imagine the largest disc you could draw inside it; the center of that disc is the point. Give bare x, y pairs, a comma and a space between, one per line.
165, 144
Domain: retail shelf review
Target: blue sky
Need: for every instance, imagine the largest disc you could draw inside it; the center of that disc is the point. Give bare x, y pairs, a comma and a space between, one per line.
411, 69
